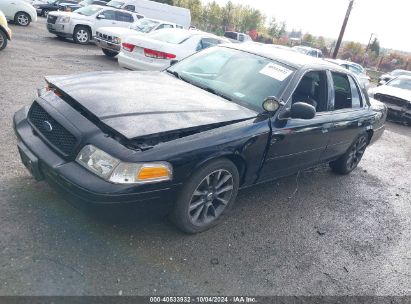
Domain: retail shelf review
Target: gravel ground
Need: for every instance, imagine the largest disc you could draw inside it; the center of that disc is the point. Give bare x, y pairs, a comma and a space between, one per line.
320, 234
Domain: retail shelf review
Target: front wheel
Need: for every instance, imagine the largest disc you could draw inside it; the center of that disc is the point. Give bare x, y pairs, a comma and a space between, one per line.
207, 197
81, 35
109, 53
22, 19
350, 160
3, 40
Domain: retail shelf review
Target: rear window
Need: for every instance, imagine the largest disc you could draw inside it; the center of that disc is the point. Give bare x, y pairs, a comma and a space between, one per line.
116, 4
144, 25
175, 37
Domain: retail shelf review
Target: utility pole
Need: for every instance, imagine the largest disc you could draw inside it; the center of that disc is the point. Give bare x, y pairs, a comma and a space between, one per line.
340, 38
369, 43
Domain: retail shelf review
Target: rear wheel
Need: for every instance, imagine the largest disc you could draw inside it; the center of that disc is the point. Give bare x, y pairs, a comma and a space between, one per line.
3, 40
109, 53
207, 197
350, 160
22, 19
82, 35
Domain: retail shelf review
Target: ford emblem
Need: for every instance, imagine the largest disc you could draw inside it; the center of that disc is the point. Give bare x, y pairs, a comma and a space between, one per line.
47, 126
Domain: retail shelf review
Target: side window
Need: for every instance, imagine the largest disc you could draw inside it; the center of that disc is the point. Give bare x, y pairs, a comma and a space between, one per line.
130, 8
313, 89
162, 26
231, 35
241, 38
356, 94
124, 17
342, 89
110, 15
206, 43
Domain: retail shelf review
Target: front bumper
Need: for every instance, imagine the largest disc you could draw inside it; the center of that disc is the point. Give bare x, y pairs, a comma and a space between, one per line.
62, 30
75, 181
400, 114
107, 45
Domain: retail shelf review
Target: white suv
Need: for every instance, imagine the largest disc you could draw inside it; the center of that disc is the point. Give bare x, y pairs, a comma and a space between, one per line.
19, 11
109, 38
81, 24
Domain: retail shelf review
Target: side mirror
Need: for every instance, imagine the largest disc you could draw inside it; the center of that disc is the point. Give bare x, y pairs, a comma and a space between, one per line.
302, 110
101, 16
173, 62
271, 104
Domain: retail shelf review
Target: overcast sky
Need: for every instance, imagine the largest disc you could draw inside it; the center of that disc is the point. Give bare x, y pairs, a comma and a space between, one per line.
390, 20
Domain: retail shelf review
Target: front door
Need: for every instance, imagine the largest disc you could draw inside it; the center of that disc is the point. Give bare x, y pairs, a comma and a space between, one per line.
298, 143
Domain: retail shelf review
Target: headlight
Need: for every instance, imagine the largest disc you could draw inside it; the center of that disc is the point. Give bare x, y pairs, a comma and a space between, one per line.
115, 171
65, 19
116, 40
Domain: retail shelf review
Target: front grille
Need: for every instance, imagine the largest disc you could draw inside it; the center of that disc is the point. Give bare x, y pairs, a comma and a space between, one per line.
51, 19
393, 100
105, 37
58, 136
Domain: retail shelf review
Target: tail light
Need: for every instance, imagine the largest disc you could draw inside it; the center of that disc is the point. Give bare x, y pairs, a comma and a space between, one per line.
128, 47
157, 54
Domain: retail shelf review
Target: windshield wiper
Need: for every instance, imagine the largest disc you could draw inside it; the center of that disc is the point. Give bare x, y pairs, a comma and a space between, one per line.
212, 91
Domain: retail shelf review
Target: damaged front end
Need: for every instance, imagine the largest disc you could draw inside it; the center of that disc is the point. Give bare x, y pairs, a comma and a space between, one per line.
399, 110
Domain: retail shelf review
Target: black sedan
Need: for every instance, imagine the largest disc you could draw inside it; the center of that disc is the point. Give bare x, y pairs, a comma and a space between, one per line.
223, 119
52, 5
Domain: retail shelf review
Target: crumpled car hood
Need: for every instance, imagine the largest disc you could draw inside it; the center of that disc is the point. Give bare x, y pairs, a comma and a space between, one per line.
137, 104
392, 91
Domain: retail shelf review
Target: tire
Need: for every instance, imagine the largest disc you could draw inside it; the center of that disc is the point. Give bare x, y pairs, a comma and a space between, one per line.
82, 35
350, 160
22, 19
109, 53
3, 40
207, 197
45, 13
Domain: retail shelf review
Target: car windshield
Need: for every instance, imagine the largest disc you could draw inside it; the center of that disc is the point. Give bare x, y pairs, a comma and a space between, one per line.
301, 50
88, 10
116, 4
402, 83
51, 1
238, 76
175, 37
144, 25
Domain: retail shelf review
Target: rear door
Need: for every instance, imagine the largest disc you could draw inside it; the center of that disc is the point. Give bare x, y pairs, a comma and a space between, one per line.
350, 113
299, 143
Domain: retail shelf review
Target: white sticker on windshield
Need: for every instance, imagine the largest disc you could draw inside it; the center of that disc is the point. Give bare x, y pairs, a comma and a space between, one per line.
276, 71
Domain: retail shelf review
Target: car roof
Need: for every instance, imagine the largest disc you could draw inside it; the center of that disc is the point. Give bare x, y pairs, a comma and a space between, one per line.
158, 20
306, 48
285, 56
113, 8
191, 33
406, 77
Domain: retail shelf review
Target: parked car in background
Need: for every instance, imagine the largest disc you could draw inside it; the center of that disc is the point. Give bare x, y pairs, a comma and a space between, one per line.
156, 10
69, 7
94, 2
50, 6
237, 37
81, 24
383, 79
357, 69
396, 94
109, 38
309, 51
190, 137
158, 50
19, 11
5, 31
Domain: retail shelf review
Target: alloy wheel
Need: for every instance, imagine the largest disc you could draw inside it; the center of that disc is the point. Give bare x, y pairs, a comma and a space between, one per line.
2, 41
82, 36
211, 197
22, 19
356, 152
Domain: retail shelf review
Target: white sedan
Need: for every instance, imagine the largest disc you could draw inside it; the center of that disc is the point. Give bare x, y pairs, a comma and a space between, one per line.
157, 51
18, 11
